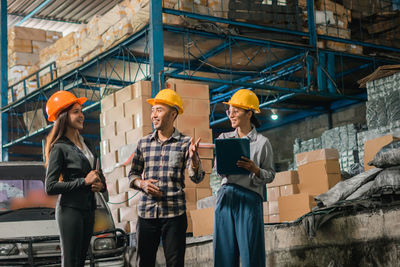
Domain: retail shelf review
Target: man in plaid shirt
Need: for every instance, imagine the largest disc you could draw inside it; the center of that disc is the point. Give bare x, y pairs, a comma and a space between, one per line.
158, 169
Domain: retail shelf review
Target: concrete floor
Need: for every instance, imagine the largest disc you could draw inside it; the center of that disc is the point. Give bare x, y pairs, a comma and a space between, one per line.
367, 238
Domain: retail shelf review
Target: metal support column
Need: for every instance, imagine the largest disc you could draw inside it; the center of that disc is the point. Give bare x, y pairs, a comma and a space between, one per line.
312, 34
4, 79
321, 76
156, 47
331, 71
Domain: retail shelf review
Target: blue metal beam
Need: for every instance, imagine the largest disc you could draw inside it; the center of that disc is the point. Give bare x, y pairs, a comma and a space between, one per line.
4, 79
269, 43
268, 68
231, 22
350, 71
263, 105
85, 110
33, 12
156, 47
220, 97
311, 24
266, 87
335, 106
194, 65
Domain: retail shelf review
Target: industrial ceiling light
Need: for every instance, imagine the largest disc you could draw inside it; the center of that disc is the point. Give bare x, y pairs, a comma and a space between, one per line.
265, 2
274, 114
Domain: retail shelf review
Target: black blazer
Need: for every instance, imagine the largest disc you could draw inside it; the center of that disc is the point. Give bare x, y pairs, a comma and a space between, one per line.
67, 160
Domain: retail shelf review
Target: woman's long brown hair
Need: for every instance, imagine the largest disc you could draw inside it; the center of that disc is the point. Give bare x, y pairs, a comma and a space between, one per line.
58, 130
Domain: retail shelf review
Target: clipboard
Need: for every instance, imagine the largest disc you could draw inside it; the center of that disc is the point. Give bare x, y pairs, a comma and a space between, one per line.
228, 152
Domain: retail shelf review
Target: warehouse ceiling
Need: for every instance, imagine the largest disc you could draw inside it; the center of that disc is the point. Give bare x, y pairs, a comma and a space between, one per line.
58, 15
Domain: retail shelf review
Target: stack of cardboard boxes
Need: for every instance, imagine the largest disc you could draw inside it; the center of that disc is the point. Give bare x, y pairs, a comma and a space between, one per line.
292, 193
284, 184
333, 19
125, 118
195, 122
24, 45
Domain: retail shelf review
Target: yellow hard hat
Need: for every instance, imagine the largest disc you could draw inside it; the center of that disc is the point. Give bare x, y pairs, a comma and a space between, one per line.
169, 97
246, 99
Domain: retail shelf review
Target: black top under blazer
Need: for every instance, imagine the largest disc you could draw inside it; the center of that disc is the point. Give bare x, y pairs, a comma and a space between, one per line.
67, 159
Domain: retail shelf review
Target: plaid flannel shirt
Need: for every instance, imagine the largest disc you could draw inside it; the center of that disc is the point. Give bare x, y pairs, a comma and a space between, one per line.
166, 162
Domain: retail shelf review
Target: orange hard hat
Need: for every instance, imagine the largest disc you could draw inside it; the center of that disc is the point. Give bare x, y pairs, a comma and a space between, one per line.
59, 101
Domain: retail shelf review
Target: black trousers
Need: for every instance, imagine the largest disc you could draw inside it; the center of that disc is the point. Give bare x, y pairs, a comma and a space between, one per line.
76, 230
172, 231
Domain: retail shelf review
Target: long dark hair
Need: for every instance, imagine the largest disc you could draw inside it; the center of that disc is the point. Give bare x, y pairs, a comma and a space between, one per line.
254, 120
58, 130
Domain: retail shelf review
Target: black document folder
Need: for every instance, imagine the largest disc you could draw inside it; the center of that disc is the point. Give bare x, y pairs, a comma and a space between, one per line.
229, 151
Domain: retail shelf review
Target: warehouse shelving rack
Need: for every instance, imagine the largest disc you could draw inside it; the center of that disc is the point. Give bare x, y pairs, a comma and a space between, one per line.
294, 76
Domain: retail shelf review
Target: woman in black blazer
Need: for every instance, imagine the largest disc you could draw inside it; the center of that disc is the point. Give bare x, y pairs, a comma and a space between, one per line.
71, 163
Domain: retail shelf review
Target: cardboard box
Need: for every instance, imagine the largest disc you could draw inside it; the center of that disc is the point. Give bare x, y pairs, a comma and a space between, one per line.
115, 215
205, 135
265, 208
187, 89
27, 34
108, 102
273, 193
128, 214
109, 131
285, 178
274, 218
371, 147
266, 218
189, 223
115, 174
118, 142
132, 226
133, 136
207, 165
202, 221
295, 206
316, 185
142, 89
190, 195
203, 184
203, 193
123, 184
141, 109
134, 197
273, 207
125, 94
316, 155
108, 161
192, 121
112, 187
206, 153
120, 201
126, 124
290, 189
318, 168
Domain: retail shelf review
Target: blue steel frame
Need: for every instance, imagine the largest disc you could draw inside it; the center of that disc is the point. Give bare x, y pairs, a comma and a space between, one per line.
4, 78
108, 79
